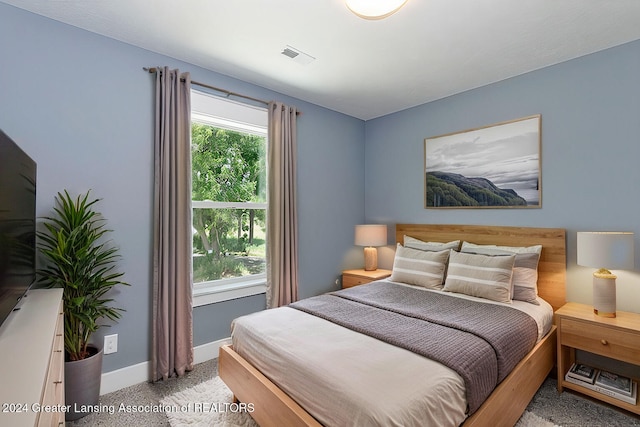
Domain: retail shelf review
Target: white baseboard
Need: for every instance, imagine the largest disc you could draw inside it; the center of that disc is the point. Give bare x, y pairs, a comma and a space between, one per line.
208, 351
136, 374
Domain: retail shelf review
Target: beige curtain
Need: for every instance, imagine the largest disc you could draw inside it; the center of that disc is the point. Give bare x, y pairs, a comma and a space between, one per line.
172, 352
282, 215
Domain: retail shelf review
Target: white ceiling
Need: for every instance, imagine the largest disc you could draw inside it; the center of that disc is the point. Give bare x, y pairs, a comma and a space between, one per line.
428, 50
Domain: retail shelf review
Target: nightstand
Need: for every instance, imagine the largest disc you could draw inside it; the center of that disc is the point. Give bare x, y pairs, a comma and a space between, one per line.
615, 338
360, 277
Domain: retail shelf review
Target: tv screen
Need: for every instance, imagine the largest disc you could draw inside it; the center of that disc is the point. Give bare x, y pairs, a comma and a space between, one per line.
17, 224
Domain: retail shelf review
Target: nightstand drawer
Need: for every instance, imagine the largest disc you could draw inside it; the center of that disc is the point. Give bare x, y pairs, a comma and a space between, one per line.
610, 342
350, 280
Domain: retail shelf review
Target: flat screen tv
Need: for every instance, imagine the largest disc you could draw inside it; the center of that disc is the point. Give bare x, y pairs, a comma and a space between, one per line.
17, 224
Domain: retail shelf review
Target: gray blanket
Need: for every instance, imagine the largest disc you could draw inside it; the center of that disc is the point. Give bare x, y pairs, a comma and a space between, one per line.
481, 342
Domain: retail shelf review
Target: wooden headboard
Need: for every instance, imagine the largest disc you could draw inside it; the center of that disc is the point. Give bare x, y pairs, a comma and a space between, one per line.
552, 268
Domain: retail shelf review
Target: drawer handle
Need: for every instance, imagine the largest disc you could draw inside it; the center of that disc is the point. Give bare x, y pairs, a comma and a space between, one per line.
57, 382
604, 342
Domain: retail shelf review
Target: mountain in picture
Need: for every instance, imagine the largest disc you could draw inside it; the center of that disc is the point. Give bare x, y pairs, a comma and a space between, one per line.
455, 190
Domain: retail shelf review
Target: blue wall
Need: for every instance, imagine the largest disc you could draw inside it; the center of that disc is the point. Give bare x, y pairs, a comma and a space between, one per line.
590, 111
82, 107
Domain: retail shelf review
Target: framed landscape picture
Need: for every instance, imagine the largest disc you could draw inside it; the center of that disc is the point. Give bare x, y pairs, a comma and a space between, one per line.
496, 166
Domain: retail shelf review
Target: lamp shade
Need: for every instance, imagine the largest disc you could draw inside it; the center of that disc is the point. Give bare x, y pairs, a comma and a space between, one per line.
374, 9
371, 235
604, 249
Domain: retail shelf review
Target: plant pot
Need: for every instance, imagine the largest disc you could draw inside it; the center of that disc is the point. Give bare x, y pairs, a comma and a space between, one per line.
82, 384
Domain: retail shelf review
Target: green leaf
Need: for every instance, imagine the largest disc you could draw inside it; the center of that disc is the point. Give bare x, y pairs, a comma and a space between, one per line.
80, 260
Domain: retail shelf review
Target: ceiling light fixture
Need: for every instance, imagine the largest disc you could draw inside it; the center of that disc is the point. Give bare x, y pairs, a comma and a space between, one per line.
374, 9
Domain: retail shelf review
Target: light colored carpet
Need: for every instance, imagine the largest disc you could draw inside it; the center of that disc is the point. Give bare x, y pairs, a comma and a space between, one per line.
207, 404
529, 419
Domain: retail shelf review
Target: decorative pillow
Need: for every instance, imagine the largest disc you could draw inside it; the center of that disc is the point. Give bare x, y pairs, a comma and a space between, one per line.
525, 267
412, 242
481, 276
422, 268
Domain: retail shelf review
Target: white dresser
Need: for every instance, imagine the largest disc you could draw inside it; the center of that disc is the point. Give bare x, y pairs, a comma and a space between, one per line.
32, 362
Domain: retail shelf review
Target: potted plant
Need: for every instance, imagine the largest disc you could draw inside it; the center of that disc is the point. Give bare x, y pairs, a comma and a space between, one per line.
81, 261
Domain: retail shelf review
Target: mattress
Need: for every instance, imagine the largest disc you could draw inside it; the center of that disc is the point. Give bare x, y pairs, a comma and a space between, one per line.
344, 378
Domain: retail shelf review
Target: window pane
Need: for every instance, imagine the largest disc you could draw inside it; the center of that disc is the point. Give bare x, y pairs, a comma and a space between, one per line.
227, 166
228, 243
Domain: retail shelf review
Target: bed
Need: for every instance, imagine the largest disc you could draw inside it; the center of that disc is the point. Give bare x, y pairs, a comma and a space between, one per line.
249, 377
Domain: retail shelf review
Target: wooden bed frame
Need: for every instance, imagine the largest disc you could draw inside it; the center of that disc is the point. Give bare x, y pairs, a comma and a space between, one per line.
273, 407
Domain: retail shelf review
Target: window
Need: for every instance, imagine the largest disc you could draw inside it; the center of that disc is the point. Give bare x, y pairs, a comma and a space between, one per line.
229, 198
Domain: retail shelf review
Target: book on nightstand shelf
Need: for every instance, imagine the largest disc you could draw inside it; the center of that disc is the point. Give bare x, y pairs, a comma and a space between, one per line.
582, 372
607, 383
613, 382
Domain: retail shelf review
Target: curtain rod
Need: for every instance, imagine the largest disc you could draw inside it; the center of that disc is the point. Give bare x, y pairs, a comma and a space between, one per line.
153, 70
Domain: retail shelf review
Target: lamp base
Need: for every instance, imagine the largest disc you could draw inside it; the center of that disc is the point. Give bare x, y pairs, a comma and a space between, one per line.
604, 293
370, 259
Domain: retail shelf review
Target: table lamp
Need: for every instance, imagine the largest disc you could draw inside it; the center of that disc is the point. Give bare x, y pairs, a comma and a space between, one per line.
605, 250
370, 235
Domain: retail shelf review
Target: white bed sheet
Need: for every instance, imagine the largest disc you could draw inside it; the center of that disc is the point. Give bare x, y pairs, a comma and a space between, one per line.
344, 378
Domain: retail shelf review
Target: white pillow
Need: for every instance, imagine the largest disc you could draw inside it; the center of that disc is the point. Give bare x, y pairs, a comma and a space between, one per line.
525, 267
481, 276
422, 268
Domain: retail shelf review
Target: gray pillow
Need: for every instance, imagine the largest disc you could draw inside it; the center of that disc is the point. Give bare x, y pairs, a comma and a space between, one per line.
422, 268
481, 276
525, 268
412, 242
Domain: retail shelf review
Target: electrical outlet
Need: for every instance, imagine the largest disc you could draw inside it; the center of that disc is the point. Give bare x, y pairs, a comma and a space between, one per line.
110, 343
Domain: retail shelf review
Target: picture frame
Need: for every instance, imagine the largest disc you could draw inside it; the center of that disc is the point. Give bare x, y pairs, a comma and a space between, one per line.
495, 166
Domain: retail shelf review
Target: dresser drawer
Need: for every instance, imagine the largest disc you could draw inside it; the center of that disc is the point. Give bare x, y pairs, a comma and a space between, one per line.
611, 342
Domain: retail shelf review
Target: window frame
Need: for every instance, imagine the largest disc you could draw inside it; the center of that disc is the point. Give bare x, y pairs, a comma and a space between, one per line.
213, 291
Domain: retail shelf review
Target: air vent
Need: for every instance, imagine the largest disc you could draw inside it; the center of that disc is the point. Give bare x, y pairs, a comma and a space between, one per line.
290, 52
297, 55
